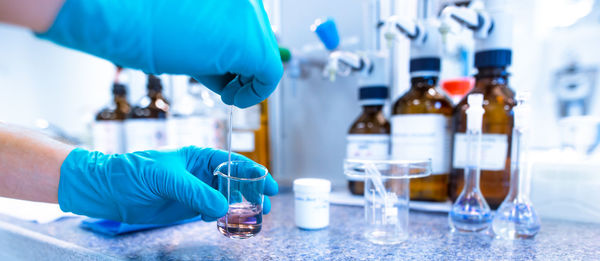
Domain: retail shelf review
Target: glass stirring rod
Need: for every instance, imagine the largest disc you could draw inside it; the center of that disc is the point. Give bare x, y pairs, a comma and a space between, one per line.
229, 140
229, 164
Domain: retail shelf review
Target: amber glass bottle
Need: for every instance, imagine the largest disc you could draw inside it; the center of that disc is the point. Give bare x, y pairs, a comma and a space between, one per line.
154, 106
492, 82
369, 134
120, 109
421, 130
107, 131
147, 128
261, 152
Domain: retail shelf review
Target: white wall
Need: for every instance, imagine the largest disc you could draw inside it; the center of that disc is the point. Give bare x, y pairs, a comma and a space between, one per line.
41, 80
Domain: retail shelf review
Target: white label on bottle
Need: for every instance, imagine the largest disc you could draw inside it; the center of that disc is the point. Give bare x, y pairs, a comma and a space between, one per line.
195, 130
145, 134
422, 137
247, 119
108, 137
367, 146
242, 141
494, 149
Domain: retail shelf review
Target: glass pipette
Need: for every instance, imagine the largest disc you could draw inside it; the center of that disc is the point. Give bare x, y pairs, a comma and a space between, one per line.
470, 212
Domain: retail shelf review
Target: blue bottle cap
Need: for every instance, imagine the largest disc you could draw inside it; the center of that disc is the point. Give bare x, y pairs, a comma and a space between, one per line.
425, 64
493, 58
373, 92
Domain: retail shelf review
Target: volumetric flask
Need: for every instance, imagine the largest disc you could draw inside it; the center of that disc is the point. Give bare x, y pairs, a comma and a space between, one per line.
386, 195
242, 183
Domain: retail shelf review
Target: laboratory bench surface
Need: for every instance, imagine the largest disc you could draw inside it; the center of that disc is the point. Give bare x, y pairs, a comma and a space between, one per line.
280, 239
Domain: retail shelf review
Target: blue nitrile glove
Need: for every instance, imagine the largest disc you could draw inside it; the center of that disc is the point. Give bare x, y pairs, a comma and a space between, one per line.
147, 187
211, 40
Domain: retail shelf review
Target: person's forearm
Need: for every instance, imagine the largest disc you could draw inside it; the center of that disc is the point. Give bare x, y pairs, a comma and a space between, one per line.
30, 164
37, 15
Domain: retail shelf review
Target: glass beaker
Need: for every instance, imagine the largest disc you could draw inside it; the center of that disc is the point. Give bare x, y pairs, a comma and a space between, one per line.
242, 183
386, 195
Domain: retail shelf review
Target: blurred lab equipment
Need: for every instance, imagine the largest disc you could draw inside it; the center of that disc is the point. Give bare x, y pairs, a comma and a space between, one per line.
344, 63
108, 132
516, 217
470, 212
285, 54
311, 203
147, 128
457, 88
386, 196
298, 63
197, 116
569, 66
575, 88
250, 136
242, 183
580, 134
492, 29
421, 126
309, 113
369, 135
327, 32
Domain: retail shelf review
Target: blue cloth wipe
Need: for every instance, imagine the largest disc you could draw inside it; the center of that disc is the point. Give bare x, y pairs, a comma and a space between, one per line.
114, 228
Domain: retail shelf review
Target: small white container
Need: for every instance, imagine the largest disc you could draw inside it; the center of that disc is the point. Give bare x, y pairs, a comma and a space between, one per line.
312, 203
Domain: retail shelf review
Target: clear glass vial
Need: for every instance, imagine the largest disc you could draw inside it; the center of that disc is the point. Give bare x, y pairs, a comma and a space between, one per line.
470, 212
516, 217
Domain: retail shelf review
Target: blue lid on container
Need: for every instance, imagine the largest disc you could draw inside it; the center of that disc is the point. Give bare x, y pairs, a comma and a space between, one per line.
119, 89
493, 58
327, 33
425, 64
373, 93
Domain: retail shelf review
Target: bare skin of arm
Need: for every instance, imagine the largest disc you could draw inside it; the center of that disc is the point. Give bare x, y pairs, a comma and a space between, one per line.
30, 164
29, 161
37, 15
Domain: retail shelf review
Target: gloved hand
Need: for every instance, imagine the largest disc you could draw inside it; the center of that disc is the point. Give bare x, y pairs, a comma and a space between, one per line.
147, 187
227, 45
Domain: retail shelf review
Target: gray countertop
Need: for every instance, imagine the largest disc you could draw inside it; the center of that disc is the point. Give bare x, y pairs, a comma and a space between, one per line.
281, 240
